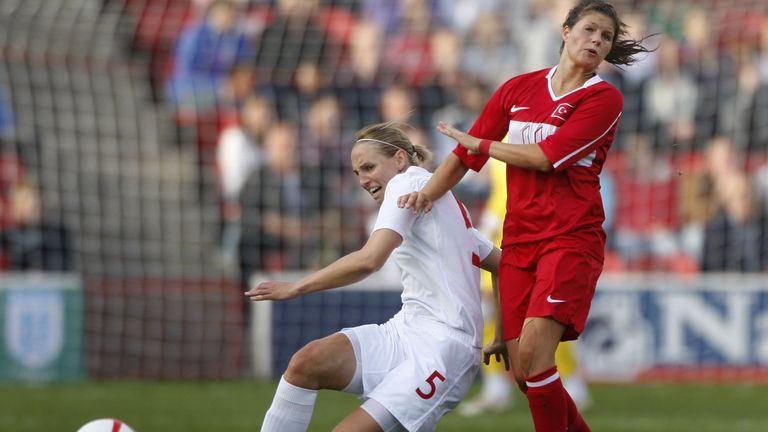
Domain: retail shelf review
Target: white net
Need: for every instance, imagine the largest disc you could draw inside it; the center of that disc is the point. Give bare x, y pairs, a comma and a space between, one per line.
163, 162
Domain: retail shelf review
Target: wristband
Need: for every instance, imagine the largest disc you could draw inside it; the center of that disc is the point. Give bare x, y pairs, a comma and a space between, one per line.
485, 147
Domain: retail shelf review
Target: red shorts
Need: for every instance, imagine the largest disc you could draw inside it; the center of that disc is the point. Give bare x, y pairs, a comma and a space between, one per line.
553, 278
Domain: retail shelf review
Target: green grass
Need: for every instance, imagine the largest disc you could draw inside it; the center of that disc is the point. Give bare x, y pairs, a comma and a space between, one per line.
240, 405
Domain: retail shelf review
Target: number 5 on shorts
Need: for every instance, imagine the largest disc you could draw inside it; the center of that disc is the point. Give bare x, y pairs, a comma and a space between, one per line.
432, 386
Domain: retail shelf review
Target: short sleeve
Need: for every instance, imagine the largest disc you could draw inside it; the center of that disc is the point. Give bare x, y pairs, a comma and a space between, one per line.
485, 246
399, 220
594, 120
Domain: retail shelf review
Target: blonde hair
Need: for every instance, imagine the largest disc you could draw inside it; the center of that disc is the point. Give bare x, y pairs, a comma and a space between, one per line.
389, 137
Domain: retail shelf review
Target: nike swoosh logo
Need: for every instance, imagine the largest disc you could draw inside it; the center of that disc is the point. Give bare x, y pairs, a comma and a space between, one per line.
551, 300
517, 108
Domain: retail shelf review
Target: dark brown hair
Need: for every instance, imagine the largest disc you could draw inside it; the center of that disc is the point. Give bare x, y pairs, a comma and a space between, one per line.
623, 50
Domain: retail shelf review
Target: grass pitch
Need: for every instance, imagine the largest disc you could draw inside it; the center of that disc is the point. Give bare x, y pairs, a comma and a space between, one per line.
232, 406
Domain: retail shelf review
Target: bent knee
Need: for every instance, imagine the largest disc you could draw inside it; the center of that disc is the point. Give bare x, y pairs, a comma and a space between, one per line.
526, 356
306, 366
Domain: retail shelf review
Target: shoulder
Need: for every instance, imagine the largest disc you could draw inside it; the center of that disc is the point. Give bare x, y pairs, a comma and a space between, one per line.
605, 95
523, 84
412, 180
608, 91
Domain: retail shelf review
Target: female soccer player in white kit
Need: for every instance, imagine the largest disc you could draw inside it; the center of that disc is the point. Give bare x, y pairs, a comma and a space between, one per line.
414, 368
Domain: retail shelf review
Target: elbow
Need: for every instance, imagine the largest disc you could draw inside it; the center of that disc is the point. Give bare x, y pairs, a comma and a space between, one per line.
543, 165
490, 267
369, 264
369, 267
539, 161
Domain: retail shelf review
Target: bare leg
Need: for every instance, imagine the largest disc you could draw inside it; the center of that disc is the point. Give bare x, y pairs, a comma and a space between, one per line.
327, 363
538, 342
513, 348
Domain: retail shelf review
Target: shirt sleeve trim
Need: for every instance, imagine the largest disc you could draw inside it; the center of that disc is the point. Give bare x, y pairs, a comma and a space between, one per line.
580, 149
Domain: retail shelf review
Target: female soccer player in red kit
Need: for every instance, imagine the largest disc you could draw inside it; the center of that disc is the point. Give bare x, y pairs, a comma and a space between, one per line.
561, 122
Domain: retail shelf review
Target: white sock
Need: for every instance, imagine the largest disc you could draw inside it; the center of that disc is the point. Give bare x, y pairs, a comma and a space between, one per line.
291, 409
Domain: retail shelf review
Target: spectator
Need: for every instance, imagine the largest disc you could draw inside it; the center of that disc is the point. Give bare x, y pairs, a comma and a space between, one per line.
471, 97
239, 154
281, 203
736, 237
735, 104
293, 99
491, 54
31, 242
393, 15
540, 31
439, 88
397, 104
291, 39
670, 98
462, 16
647, 219
408, 50
206, 53
7, 120
12, 171
238, 87
325, 149
323, 145
708, 66
360, 79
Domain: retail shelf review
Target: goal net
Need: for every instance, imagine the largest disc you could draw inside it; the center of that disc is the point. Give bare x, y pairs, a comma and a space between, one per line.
152, 165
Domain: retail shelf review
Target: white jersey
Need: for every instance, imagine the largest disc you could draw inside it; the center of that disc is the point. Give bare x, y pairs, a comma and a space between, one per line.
439, 257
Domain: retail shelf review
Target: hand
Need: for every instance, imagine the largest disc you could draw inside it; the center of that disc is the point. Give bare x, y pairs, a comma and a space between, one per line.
418, 201
273, 291
496, 348
465, 140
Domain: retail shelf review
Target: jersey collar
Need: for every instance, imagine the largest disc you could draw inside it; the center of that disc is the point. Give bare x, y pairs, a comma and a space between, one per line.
594, 80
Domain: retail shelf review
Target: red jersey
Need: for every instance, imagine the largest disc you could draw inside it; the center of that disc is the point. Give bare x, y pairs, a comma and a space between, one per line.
574, 130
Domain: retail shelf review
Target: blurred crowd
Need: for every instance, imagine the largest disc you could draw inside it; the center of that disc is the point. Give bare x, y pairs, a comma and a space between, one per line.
271, 92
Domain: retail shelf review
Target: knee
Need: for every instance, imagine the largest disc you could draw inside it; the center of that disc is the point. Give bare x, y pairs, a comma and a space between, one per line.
305, 367
526, 356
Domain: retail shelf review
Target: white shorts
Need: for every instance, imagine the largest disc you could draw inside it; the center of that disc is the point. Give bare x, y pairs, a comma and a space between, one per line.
417, 368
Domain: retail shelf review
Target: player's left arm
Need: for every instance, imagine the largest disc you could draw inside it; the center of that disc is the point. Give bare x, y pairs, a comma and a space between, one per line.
496, 347
490, 256
348, 269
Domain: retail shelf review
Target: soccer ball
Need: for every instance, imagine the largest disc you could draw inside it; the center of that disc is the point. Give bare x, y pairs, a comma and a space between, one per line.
106, 425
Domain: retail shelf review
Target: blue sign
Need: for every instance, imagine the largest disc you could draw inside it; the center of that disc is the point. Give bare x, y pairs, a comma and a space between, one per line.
704, 324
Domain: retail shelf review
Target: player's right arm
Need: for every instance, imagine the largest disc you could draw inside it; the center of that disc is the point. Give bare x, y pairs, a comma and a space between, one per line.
348, 269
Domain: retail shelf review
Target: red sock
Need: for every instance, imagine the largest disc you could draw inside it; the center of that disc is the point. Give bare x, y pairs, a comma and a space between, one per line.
575, 422
548, 401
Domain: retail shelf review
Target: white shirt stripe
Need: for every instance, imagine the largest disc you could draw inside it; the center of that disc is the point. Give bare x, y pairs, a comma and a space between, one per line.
561, 161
